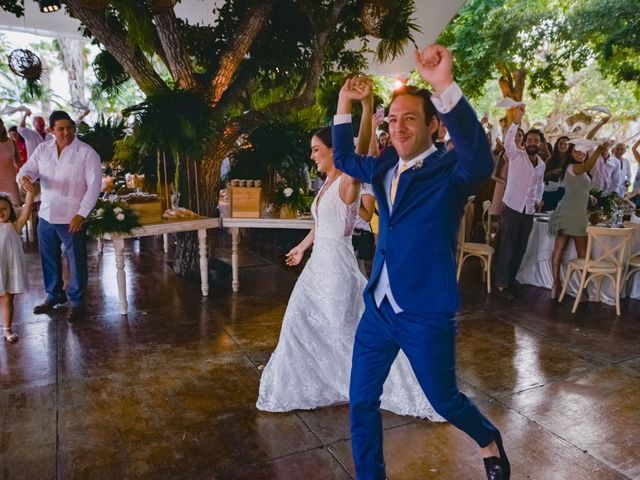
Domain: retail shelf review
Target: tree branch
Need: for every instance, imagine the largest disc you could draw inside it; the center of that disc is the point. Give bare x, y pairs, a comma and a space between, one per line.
176, 54
129, 56
238, 48
305, 97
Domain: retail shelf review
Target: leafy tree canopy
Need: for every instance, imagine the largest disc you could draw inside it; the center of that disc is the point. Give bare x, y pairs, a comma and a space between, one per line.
612, 30
542, 41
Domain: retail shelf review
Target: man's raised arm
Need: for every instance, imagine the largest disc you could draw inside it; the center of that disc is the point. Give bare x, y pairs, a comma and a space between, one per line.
475, 162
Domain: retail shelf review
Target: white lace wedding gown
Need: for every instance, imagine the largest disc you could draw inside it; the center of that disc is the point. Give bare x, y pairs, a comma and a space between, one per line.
311, 365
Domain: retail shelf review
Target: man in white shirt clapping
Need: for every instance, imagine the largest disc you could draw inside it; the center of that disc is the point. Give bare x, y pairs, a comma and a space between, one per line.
522, 198
70, 175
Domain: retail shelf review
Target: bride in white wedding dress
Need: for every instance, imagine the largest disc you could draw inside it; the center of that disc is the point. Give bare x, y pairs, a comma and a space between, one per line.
311, 365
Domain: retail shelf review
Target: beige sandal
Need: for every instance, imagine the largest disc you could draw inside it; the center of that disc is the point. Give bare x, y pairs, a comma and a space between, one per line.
12, 337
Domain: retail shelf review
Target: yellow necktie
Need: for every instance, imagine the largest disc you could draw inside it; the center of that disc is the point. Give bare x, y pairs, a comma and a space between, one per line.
394, 182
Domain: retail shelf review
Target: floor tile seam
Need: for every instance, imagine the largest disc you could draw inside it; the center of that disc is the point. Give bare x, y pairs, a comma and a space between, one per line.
268, 461
571, 444
552, 381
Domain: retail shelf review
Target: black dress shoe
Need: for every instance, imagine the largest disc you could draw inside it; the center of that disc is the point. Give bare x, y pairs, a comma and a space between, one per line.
498, 468
504, 293
45, 307
75, 314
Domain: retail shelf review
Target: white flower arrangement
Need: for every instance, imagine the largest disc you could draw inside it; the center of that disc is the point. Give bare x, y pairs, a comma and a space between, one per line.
111, 216
418, 164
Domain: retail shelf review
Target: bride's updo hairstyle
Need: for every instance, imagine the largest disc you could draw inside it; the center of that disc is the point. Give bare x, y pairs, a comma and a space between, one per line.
324, 134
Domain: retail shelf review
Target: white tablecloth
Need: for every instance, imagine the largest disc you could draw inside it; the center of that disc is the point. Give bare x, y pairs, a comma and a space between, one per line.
536, 266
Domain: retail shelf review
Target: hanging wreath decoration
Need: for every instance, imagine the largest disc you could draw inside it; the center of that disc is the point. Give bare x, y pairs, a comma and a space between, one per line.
374, 12
27, 65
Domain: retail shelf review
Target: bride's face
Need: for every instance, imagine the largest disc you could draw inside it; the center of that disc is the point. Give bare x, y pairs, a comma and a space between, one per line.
321, 154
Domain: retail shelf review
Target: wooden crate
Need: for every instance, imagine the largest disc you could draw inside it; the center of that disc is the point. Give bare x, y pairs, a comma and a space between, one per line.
148, 212
246, 202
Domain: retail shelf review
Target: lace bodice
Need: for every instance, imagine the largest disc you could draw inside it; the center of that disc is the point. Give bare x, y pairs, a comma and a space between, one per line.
333, 217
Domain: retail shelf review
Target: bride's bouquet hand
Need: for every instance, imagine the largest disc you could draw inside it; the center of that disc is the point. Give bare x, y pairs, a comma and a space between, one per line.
294, 257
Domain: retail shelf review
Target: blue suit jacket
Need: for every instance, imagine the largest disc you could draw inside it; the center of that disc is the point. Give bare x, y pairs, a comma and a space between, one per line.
418, 239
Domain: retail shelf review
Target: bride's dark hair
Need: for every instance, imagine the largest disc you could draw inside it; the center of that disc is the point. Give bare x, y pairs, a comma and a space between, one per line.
324, 134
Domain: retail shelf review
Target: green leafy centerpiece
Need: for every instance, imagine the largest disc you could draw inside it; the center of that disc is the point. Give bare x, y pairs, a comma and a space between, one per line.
111, 216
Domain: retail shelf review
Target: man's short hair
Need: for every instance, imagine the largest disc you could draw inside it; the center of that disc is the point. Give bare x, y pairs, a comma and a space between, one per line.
58, 115
429, 110
534, 131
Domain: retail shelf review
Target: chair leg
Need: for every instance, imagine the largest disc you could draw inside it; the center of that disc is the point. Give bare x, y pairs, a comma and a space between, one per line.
489, 273
619, 275
460, 262
566, 283
583, 279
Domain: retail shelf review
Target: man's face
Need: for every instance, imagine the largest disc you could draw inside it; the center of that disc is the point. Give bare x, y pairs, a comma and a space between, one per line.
409, 133
64, 131
619, 150
38, 124
532, 144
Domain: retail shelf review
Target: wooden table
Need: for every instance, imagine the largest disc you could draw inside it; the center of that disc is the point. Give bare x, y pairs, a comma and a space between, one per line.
201, 224
235, 224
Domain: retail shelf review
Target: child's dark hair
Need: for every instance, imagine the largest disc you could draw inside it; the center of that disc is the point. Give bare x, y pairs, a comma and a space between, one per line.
12, 211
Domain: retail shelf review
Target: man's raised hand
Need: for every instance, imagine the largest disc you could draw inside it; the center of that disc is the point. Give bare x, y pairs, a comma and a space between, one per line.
435, 66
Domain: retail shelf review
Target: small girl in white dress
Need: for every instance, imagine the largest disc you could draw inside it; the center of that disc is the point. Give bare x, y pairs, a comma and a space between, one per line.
13, 267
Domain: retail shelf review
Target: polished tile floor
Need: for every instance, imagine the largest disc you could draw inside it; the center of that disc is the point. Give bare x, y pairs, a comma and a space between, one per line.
168, 391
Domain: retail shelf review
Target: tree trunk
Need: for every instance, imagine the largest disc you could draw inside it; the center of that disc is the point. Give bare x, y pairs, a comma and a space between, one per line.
129, 56
512, 85
72, 53
205, 185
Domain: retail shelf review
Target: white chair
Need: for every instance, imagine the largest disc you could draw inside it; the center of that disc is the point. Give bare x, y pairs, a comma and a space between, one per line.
634, 258
611, 262
481, 250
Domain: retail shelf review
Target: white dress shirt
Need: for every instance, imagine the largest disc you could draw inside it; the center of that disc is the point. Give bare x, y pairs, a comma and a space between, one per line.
607, 176
70, 183
443, 103
625, 174
362, 224
525, 183
32, 139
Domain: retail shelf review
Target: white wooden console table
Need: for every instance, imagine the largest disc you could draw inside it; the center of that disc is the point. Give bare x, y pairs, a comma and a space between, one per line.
235, 224
201, 224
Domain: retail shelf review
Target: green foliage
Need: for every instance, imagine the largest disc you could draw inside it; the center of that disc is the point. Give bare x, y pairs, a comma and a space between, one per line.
279, 146
111, 216
612, 29
13, 6
103, 135
504, 35
397, 30
177, 122
110, 74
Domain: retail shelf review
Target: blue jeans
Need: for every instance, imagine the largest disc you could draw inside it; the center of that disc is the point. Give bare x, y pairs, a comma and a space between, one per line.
429, 343
50, 238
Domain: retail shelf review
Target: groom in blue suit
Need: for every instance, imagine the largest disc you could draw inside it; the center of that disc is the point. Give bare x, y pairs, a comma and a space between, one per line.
412, 295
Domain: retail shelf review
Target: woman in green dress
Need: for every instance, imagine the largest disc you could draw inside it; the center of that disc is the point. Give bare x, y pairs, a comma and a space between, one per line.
569, 219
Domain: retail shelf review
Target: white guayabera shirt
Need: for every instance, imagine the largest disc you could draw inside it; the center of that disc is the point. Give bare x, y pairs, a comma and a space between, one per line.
70, 183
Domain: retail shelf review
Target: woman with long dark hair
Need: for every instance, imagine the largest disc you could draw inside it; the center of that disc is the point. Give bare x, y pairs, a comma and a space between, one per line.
569, 219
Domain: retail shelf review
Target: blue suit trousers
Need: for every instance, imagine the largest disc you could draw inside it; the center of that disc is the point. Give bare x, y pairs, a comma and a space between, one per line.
429, 343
